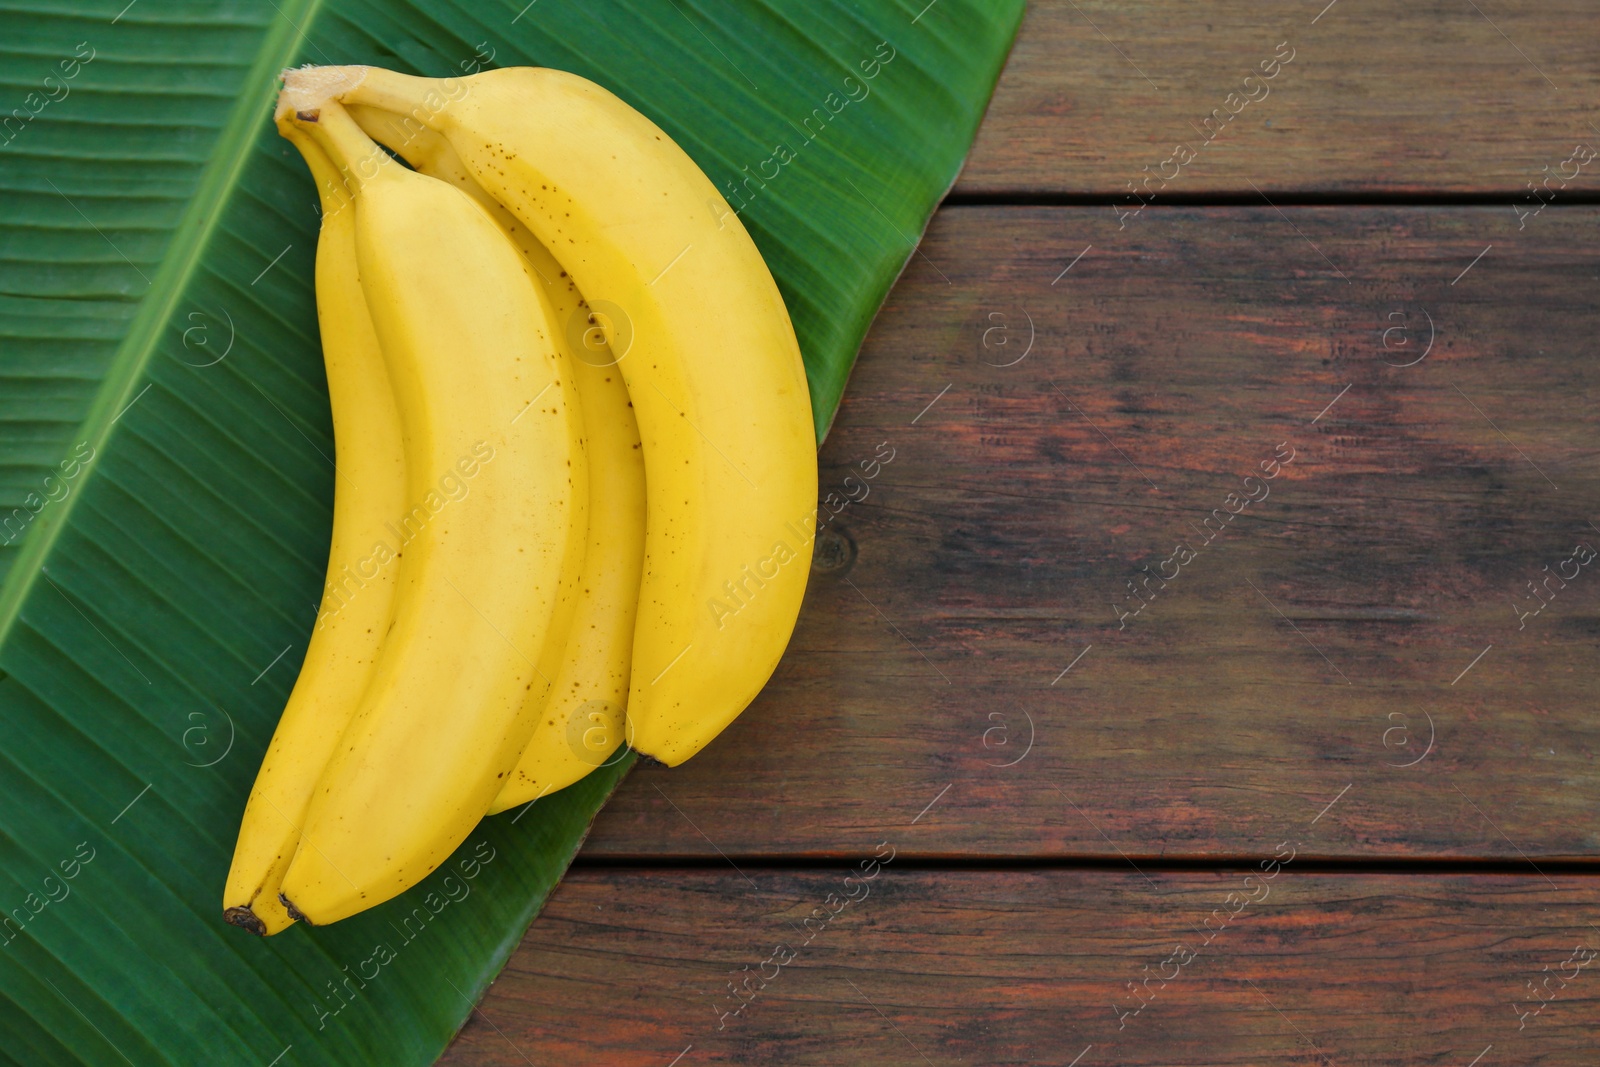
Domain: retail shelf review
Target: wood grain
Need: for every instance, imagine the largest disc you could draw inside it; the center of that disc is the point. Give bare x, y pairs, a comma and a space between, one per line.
1304, 657
1430, 97
1345, 671
926, 967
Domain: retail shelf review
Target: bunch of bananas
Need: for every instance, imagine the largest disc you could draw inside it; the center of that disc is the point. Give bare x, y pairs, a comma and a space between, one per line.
576, 473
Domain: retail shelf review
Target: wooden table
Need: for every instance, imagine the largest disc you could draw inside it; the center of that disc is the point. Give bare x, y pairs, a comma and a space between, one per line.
1204, 644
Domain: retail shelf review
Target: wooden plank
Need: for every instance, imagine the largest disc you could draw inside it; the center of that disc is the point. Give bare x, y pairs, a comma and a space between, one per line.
1419, 98
1333, 643
630, 967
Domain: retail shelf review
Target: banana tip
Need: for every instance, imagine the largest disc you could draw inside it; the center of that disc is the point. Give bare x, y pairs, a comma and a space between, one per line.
294, 913
245, 919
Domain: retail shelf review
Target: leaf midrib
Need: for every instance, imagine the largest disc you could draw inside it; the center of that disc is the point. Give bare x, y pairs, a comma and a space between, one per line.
179, 263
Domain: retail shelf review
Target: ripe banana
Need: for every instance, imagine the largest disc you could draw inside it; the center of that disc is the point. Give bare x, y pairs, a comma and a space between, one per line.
369, 490
486, 587
581, 722
705, 347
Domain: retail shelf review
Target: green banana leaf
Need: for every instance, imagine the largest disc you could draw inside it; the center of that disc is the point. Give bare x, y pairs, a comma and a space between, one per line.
166, 487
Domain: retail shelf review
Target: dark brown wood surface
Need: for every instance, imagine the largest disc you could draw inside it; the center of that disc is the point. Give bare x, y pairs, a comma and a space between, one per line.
1079, 739
1310, 650
1463, 96
632, 969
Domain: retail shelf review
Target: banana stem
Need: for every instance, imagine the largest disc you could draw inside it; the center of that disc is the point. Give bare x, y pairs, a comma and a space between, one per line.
421, 146
331, 189
421, 101
356, 155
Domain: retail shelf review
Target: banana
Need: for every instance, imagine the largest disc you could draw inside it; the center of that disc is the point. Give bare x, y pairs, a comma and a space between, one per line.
706, 350
580, 724
495, 460
369, 490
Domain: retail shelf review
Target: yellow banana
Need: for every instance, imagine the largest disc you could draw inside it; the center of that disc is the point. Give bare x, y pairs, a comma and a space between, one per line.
369, 491
485, 587
580, 724
708, 355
